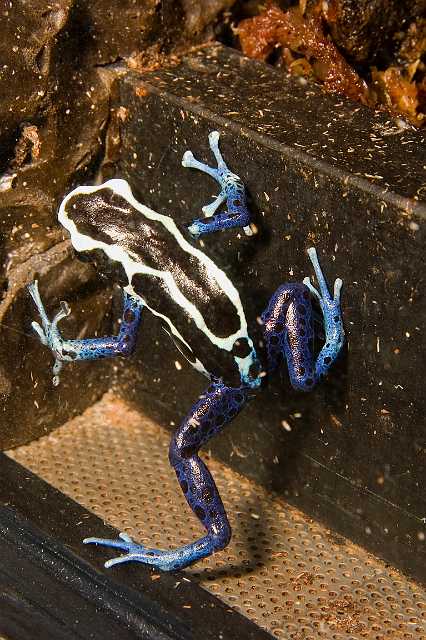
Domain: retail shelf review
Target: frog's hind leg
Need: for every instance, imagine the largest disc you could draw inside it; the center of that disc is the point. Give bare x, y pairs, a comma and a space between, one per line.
288, 329
87, 348
232, 190
213, 411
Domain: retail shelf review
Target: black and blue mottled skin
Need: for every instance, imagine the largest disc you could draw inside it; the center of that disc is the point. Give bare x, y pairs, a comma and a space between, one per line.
108, 217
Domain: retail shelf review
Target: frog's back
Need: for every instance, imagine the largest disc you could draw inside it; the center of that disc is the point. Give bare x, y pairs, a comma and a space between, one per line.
197, 303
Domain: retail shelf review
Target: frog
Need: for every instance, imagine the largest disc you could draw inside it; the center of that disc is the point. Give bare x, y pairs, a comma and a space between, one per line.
162, 269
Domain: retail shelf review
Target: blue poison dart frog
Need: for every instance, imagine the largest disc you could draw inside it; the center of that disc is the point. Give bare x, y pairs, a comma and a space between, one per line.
199, 307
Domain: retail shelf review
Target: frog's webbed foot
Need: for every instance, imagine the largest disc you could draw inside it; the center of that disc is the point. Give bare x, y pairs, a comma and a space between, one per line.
163, 560
66, 350
323, 295
48, 331
330, 307
135, 552
232, 191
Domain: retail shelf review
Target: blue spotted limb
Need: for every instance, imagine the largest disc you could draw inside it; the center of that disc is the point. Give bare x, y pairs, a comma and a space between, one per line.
232, 192
87, 348
216, 407
288, 328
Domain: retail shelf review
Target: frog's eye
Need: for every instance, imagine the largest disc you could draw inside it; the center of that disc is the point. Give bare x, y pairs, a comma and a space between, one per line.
241, 348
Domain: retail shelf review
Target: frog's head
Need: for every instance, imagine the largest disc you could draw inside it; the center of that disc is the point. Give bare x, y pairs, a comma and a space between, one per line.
98, 221
97, 216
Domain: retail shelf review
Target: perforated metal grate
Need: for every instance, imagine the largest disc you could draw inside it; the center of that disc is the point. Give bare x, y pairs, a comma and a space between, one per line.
282, 570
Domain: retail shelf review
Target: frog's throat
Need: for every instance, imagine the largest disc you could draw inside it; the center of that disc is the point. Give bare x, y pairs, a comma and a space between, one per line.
133, 266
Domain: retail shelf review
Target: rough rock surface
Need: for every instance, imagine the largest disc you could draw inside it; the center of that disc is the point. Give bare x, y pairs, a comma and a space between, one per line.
56, 82
363, 29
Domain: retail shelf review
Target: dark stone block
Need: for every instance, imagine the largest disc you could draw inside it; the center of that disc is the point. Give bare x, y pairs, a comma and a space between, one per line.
320, 171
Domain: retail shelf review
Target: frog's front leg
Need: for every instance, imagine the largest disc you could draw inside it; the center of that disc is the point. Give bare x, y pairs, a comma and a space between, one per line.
213, 411
87, 348
232, 191
288, 328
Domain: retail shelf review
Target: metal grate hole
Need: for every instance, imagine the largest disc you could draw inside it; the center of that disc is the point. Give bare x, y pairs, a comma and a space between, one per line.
281, 569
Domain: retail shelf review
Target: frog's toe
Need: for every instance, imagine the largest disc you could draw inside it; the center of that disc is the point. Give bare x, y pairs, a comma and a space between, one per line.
129, 557
338, 284
214, 137
35, 295
188, 159
307, 282
34, 292
40, 332
194, 229
125, 542
140, 554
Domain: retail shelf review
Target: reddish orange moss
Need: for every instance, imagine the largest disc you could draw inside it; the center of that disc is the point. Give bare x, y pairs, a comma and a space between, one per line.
302, 35
307, 50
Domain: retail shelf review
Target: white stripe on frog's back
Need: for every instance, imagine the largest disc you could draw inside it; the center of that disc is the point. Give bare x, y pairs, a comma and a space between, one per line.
132, 264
